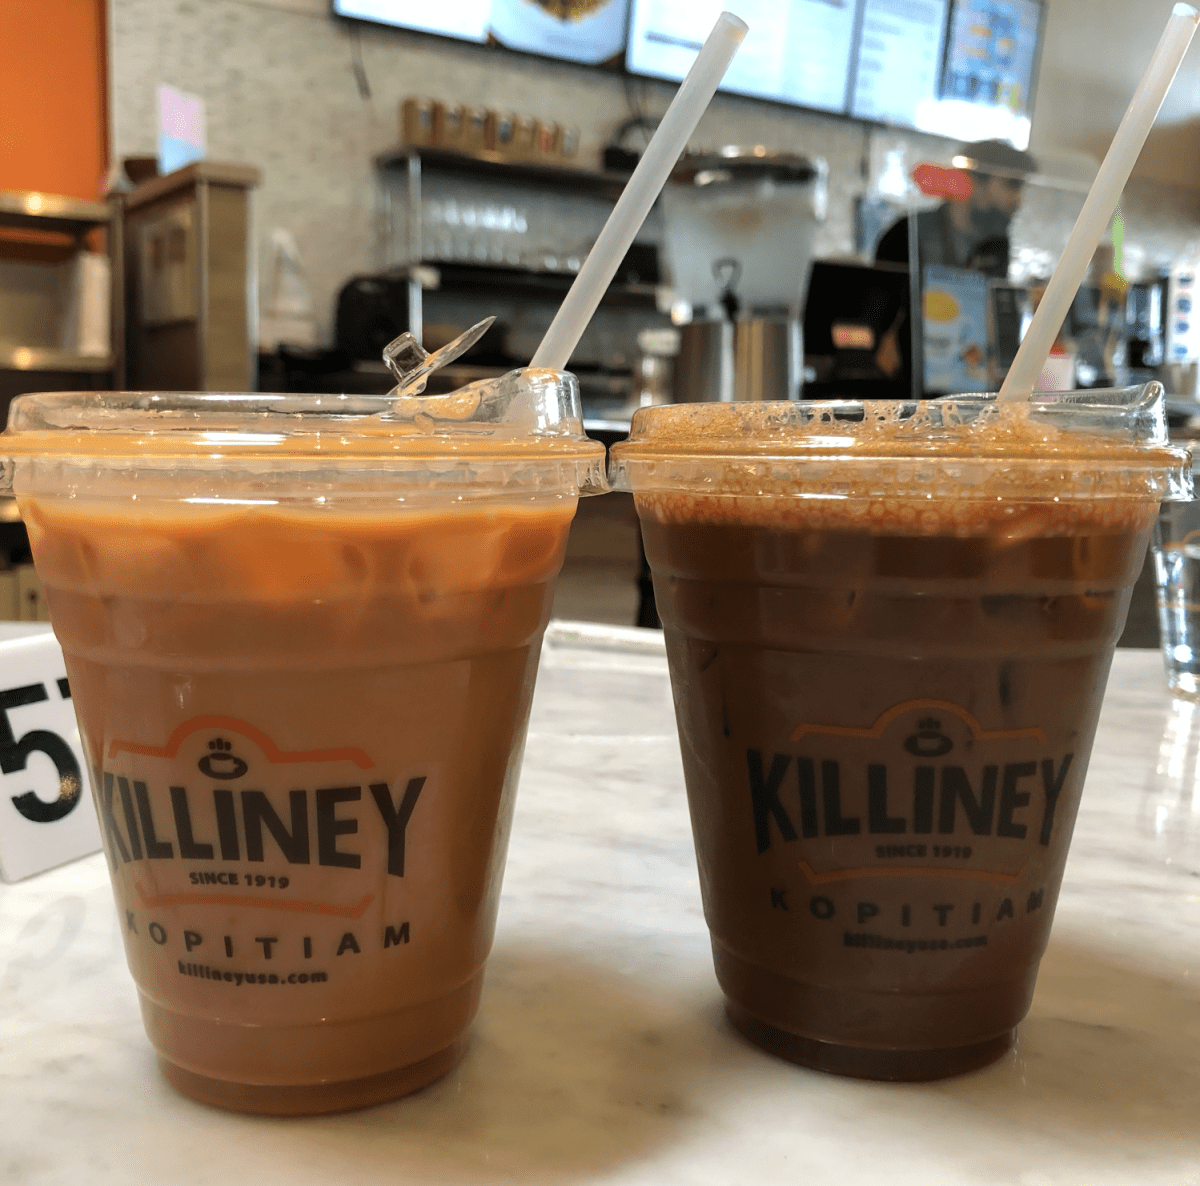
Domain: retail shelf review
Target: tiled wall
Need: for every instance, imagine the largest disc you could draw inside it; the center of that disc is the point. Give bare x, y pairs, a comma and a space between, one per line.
281, 94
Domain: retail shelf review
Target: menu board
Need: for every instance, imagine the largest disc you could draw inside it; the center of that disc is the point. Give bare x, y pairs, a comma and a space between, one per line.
588, 31
797, 51
987, 85
990, 56
958, 68
464, 19
899, 59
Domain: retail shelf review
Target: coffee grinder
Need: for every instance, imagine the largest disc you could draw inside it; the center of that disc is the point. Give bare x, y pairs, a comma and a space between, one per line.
741, 226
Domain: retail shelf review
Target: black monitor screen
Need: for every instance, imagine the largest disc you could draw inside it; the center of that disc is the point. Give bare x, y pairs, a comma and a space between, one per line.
589, 31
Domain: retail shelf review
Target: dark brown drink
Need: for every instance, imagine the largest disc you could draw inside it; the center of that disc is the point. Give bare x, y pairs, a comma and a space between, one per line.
887, 827
886, 707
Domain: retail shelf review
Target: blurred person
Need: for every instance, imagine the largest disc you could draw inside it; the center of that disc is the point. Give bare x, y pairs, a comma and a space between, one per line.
972, 231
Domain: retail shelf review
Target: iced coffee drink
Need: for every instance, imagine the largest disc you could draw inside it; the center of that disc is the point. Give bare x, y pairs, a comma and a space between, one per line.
889, 630
301, 635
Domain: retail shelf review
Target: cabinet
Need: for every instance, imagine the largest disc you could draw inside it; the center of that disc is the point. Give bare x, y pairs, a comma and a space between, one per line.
190, 273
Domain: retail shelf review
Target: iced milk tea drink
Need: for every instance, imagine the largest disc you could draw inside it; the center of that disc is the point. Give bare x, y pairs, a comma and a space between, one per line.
301, 634
889, 628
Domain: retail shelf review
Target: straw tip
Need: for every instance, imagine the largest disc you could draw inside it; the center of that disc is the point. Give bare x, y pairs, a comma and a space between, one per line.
735, 24
1186, 10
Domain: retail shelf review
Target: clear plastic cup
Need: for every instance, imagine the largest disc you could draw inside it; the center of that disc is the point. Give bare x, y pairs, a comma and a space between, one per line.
1176, 549
301, 633
889, 628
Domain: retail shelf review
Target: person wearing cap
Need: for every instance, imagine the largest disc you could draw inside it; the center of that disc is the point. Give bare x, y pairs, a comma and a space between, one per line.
972, 231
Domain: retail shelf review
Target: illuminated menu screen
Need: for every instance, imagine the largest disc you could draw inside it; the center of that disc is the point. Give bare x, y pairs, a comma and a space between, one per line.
987, 84
466, 19
797, 51
958, 68
589, 31
899, 59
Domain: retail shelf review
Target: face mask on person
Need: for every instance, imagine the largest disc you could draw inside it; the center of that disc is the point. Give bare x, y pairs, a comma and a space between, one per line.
990, 223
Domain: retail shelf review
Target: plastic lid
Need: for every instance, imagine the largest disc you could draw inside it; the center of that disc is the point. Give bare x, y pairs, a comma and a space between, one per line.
522, 431
1060, 446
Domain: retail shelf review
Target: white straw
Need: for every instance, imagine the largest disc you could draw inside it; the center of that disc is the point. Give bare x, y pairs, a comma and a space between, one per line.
1100, 204
640, 192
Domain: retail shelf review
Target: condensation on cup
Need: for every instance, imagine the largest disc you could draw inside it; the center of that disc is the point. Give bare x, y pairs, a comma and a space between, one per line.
1176, 550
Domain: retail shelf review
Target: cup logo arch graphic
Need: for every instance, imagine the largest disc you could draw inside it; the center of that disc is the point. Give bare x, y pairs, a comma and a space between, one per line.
221, 757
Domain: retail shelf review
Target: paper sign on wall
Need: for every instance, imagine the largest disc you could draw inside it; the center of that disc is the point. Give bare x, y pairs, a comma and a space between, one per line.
180, 129
46, 812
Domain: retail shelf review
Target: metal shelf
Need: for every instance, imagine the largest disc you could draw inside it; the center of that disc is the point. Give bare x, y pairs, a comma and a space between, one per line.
31, 210
45, 358
405, 250
458, 277
490, 164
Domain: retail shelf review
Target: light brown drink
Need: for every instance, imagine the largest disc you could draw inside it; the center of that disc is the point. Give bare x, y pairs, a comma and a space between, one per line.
886, 702
305, 731
303, 691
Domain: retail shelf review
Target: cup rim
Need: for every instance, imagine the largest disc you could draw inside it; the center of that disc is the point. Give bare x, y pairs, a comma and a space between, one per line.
792, 447
1138, 409
526, 414
523, 431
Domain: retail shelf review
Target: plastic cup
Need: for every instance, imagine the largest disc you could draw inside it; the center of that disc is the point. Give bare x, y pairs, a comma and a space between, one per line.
889, 628
1176, 548
301, 634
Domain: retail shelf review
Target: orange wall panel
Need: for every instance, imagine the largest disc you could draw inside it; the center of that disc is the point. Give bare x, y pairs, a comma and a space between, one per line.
53, 96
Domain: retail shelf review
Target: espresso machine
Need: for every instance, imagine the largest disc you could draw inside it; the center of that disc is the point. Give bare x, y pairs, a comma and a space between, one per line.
741, 226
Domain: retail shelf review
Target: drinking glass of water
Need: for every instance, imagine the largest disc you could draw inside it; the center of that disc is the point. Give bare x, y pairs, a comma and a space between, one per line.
1176, 549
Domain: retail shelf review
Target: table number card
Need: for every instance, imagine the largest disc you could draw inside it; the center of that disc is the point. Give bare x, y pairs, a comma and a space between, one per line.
46, 813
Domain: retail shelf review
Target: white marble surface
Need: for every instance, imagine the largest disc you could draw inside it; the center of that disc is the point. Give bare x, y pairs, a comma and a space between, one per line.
601, 1053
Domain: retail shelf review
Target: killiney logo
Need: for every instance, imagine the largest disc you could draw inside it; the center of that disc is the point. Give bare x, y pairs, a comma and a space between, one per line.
928, 741
220, 763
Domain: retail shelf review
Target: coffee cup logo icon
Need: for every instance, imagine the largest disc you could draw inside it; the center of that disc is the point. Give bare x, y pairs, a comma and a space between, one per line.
220, 763
928, 741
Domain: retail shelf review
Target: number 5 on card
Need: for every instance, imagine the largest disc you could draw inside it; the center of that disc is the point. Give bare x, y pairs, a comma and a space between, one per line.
46, 817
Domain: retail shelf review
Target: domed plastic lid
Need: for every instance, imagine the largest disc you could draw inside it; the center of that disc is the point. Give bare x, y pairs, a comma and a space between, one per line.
1062, 445
523, 431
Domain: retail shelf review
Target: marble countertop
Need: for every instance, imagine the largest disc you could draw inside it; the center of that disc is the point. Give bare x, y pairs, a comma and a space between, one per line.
601, 1052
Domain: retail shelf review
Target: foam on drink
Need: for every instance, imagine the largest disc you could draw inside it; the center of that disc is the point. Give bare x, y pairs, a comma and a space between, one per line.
950, 468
